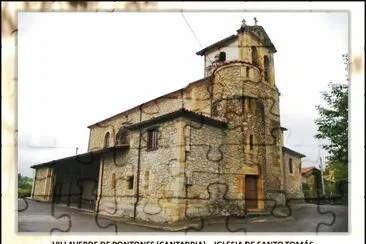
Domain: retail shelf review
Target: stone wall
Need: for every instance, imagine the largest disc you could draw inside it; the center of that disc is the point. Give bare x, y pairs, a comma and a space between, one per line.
198, 97
160, 178
294, 179
195, 97
205, 183
43, 184
310, 180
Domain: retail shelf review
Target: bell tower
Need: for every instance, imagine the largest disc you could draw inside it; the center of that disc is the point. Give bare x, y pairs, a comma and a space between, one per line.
245, 95
256, 48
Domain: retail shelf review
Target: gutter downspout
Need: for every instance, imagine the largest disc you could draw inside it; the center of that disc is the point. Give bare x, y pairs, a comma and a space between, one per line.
34, 183
138, 170
100, 183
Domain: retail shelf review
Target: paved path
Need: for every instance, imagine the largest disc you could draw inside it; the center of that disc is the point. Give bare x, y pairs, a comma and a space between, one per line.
37, 217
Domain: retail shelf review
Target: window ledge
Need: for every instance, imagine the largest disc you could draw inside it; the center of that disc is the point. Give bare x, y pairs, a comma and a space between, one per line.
151, 149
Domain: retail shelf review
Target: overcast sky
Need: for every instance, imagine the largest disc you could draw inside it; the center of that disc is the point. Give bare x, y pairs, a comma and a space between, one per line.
75, 69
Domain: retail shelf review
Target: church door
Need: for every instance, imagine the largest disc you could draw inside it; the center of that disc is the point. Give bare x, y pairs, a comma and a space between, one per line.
251, 193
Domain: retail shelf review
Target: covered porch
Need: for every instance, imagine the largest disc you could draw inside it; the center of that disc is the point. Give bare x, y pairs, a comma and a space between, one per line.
72, 181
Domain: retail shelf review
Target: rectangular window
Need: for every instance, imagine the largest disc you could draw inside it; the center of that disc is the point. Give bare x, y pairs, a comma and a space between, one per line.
147, 179
113, 181
290, 165
251, 142
130, 182
247, 71
152, 139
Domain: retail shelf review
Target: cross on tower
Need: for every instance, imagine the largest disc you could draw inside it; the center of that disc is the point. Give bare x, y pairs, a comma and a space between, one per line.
243, 23
255, 20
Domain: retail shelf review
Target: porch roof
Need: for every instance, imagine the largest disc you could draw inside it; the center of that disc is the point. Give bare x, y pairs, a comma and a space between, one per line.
84, 157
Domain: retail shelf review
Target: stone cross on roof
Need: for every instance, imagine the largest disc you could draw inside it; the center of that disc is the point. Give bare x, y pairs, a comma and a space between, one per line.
243, 23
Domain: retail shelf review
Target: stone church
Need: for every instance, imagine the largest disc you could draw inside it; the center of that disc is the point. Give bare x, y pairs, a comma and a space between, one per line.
212, 148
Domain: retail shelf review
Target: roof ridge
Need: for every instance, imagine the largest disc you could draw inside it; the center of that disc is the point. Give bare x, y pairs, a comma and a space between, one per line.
175, 114
142, 104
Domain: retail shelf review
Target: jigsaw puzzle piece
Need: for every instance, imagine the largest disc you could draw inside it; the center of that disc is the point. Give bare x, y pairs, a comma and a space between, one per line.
323, 211
36, 218
212, 206
58, 218
241, 223
104, 223
24, 205
42, 178
324, 203
232, 220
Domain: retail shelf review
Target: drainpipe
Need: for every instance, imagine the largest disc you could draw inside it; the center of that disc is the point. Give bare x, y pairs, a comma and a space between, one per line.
138, 170
100, 183
71, 178
322, 177
34, 183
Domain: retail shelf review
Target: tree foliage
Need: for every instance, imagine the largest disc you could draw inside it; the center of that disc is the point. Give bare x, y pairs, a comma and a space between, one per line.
333, 121
24, 186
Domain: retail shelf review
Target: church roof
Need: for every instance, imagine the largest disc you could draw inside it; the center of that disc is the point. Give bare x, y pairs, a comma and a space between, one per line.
290, 151
306, 170
155, 99
177, 114
220, 43
309, 171
257, 31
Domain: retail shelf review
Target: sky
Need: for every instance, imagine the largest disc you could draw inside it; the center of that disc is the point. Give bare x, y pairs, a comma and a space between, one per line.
75, 69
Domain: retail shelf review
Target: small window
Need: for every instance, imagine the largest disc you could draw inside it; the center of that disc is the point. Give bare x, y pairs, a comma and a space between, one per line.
254, 56
266, 69
222, 57
152, 139
290, 166
147, 175
130, 182
247, 71
113, 181
251, 142
107, 138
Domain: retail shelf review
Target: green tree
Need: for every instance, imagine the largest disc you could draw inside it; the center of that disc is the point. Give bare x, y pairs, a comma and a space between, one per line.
333, 120
333, 126
24, 186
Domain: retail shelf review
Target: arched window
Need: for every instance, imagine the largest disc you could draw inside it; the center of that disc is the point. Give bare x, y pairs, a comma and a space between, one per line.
266, 69
247, 71
121, 136
222, 57
254, 56
107, 138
